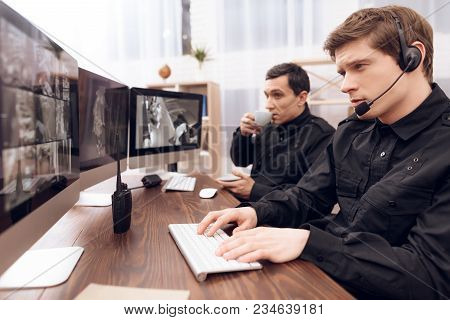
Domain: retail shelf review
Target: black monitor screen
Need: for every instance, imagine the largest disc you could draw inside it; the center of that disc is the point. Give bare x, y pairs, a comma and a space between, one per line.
164, 121
38, 118
103, 107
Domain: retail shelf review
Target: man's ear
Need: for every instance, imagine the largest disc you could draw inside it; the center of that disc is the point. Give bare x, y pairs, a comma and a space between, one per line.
419, 45
302, 96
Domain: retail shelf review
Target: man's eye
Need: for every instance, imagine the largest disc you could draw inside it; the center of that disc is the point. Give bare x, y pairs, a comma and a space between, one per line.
359, 66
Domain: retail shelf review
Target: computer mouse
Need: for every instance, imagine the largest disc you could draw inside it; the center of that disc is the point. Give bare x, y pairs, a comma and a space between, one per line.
207, 193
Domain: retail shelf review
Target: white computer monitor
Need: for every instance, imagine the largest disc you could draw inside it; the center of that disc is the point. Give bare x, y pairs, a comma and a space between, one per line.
39, 168
165, 127
103, 105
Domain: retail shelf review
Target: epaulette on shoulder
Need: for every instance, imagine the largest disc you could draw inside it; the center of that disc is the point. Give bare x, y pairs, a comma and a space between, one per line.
446, 119
353, 117
322, 124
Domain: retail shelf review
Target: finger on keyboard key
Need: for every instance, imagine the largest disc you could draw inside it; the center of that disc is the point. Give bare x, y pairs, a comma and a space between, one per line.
199, 251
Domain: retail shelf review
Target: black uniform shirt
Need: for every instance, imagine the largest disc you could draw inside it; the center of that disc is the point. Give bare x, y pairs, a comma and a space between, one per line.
281, 154
391, 238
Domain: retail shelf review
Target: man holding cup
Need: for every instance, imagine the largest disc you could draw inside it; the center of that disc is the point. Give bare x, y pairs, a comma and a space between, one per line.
282, 142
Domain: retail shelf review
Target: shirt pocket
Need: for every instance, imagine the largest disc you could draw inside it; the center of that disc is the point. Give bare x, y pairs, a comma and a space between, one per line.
347, 188
398, 207
347, 183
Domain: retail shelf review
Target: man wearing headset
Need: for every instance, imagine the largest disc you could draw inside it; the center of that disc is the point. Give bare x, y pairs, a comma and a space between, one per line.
387, 167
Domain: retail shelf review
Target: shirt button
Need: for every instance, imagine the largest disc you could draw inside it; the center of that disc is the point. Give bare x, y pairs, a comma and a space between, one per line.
409, 168
392, 203
319, 259
416, 159
383, 154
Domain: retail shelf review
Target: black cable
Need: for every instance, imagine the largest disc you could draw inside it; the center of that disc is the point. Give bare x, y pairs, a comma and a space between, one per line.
136, 188
396, 80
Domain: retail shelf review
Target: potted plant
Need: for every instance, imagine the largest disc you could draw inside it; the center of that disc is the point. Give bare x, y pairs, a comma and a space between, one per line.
201, 54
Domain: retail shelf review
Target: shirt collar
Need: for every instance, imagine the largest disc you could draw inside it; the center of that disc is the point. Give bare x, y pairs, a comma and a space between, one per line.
299, 121
428, 111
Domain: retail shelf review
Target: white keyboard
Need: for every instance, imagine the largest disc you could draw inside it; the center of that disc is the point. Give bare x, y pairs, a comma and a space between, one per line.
180, 183
199, 251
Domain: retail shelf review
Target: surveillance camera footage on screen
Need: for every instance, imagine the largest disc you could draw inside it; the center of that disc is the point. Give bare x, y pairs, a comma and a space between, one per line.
37, 100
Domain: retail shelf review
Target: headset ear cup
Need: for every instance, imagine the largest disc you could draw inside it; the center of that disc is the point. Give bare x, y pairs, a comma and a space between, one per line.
413, 53
409, 55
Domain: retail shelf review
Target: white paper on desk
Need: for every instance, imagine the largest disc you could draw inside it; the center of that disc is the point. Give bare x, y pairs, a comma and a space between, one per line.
96, 291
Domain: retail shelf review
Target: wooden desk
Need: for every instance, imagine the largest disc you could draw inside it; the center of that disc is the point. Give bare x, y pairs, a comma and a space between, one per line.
147, 257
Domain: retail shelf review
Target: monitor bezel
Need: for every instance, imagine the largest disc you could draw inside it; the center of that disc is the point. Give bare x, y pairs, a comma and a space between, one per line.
92, 164
22, 234
134, 92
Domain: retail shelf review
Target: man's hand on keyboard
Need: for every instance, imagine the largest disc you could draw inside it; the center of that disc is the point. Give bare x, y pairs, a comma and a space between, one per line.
273, 244
244, 217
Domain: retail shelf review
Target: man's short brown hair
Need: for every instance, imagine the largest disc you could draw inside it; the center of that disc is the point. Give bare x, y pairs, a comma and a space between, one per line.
379, 26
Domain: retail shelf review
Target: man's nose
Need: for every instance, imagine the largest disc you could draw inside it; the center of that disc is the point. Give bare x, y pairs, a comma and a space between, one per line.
348, 84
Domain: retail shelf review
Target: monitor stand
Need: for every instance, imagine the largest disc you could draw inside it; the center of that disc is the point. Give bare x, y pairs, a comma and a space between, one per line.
93, 199
41, 268
100, 194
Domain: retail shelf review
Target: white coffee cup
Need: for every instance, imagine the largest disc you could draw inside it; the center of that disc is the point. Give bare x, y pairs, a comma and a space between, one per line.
262, 118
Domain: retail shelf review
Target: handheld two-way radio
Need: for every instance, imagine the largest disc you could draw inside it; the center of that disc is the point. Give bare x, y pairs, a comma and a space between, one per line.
122, 202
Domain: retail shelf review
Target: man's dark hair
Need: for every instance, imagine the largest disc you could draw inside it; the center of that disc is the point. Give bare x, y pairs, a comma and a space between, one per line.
297, 77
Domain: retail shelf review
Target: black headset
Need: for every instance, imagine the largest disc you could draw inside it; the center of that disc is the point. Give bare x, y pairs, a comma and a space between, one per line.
409, 55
